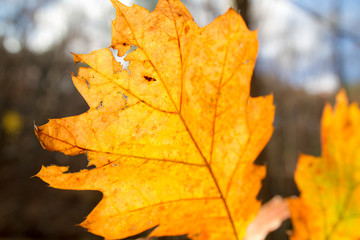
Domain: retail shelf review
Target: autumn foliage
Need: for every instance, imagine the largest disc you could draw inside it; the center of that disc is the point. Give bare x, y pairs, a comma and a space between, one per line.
173, 138
329, 206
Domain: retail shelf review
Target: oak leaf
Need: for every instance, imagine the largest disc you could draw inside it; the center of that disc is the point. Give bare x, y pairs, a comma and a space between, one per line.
329, 206
173, 137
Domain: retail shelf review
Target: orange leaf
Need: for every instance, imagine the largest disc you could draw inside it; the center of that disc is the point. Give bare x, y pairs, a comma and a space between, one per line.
329, 207
174, 137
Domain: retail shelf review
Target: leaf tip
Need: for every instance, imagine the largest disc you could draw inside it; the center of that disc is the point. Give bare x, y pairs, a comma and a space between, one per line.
37, 131
341, 97
51, 171
35, 127
76, 58
39, 174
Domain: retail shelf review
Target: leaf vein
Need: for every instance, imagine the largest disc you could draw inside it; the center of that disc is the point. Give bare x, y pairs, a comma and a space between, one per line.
150, 61
174, 201
127, 90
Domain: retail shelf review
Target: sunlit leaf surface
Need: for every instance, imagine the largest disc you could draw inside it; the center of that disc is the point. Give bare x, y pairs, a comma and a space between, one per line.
173, 138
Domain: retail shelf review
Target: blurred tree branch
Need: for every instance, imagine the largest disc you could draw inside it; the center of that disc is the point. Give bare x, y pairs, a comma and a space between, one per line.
337, 30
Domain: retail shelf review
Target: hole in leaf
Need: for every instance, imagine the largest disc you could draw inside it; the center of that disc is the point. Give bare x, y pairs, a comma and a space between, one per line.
125, 97
87, 84
91, 167
100, 105
121, 60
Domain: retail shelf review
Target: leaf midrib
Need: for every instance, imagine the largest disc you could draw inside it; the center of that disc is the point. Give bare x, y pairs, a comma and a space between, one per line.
178, 112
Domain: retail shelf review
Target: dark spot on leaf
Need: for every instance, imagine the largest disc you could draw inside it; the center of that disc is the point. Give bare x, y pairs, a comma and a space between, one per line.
187, 28
87, 84
150, 79
91, 167
100, 105
124, 44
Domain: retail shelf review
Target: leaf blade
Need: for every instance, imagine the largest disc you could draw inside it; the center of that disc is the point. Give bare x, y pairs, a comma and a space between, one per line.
181, 129
329, 185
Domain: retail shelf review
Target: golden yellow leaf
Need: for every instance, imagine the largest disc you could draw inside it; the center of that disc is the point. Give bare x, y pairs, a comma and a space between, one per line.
174, 137
329, 206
